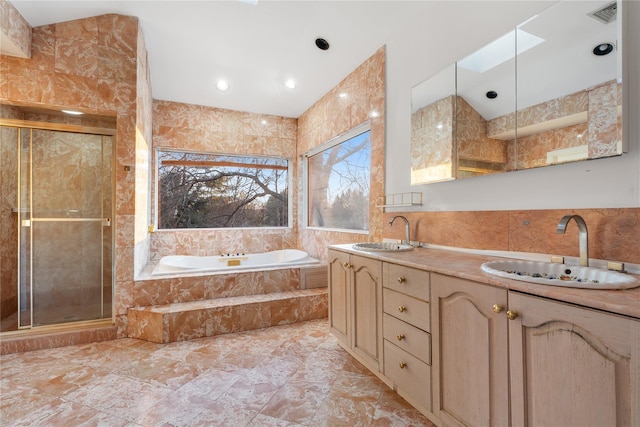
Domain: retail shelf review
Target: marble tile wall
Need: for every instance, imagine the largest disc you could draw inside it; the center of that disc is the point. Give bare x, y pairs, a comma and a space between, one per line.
92, 65
613, 233
143, 146
363, 99
16, 31
215, 130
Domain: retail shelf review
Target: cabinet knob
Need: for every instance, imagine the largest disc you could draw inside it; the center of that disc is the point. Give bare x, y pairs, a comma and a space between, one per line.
346, 265
400, 337
497, 308
402, 308
402, 365
401, 280
512, 314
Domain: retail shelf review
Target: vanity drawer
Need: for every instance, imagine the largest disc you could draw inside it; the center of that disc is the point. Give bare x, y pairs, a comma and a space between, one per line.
406, 308
410, 281
411, 376
407, 337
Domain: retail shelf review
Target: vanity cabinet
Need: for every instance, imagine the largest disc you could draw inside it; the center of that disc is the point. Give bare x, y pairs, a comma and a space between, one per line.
406, 332
355, 306
470, 359
572, 366
499, 352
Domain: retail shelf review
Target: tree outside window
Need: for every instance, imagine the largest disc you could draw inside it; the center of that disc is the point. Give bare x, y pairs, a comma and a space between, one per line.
339, 180
200, 190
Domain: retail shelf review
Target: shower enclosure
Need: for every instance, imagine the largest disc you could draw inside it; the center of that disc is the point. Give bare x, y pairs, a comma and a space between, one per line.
57, 192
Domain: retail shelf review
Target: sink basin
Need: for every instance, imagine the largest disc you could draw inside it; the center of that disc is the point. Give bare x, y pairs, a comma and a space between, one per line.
572, 276
382, 247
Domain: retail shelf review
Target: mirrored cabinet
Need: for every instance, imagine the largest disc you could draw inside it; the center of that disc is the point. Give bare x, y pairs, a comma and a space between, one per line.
548, 92
433, 128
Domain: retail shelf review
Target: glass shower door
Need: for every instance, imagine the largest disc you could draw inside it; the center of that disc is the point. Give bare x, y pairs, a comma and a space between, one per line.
65, 227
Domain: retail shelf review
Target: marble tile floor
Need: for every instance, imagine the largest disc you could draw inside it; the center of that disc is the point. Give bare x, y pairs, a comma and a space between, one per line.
293, 375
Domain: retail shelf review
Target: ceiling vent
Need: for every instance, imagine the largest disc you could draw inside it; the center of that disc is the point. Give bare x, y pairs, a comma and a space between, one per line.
605, 14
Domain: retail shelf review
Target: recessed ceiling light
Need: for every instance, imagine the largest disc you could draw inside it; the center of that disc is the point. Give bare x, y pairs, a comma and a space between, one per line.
603, 49
222, 85
322, 43
73, 112
291, 84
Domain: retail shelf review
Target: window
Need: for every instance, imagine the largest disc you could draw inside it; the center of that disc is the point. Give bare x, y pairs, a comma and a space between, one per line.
338, 182
199, 190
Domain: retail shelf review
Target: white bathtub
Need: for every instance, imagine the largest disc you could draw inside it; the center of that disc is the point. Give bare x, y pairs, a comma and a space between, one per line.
176, 264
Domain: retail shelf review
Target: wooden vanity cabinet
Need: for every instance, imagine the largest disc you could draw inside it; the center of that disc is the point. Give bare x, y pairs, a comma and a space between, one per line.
406, 331
470, 353
572, 366
355, 306
498, 352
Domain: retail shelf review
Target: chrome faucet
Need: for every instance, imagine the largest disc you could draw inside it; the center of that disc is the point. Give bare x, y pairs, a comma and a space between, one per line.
406, 225
583, 238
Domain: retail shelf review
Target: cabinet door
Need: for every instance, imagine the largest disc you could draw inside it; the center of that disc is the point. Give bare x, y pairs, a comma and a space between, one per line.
339, 295
367, 310
572, 366
470, 360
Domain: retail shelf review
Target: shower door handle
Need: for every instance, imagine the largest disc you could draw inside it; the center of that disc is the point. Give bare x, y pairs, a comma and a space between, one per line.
106, 222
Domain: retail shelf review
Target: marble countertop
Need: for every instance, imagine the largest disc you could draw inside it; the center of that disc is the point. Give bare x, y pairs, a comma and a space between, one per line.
467, 266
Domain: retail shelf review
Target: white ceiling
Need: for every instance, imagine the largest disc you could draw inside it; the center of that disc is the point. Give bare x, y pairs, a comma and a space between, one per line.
256, 47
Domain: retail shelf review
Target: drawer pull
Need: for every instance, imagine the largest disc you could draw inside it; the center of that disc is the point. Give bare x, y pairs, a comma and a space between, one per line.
497, 308
402, 365
400, 337
402, 309
401, 280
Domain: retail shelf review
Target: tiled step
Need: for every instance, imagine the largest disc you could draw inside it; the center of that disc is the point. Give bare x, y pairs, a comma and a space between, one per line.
59, 336
197, 319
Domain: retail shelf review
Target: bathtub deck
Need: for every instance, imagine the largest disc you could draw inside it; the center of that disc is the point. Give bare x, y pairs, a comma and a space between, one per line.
204, 318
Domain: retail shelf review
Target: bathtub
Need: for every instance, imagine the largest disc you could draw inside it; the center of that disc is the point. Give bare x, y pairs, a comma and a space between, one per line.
177, 264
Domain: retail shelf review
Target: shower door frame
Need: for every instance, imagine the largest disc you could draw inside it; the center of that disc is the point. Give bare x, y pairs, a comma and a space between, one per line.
22, 125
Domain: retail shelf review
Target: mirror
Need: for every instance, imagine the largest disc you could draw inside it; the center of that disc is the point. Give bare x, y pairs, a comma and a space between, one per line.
432, 128
556, 112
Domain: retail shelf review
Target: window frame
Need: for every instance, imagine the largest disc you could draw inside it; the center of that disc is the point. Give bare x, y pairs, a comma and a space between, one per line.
156, 163
304, 185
